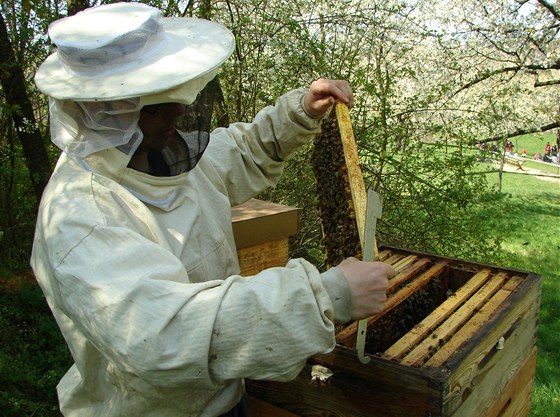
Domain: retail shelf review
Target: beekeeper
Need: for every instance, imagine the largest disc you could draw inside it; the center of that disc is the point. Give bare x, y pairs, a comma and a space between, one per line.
134, 247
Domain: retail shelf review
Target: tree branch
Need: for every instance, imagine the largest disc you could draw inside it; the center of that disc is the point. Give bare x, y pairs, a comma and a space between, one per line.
520, 132
486, 75
550, 8
546, 83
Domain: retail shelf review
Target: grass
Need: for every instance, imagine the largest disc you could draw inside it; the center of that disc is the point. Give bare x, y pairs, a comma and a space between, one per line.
531, 235
533, 143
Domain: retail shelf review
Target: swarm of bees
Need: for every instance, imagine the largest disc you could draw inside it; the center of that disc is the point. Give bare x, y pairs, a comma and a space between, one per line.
394, 325
341, 238
338, 219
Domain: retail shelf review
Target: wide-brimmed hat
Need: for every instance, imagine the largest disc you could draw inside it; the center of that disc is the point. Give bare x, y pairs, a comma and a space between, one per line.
125, 50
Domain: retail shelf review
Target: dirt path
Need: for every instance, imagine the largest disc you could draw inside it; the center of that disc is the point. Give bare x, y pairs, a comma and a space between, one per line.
537, 173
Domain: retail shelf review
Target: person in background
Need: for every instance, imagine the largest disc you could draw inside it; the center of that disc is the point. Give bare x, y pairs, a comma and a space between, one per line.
134, 247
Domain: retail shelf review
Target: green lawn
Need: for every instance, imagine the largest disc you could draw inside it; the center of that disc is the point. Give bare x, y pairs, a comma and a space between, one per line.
531, 235
533, 143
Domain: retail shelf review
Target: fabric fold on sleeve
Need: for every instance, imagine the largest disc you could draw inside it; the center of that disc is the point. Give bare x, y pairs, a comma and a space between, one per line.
249, 157
339, 293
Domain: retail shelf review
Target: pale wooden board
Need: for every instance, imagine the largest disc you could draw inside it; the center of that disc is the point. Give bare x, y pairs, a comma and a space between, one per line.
474, 325
436, 317
418, 355
482, 372
407, 274
384, 255
393, 259
254, 259
355, 176
404, 263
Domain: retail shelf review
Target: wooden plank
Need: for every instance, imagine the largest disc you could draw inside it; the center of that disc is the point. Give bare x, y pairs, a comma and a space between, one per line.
392, 260
515, 399
479, 371
428, 346
378, 388
254, 259
434, 319
488, 379
355, 176
407, 274
405, 263
345, 336
258, 408
384, 254
475, 323
257, 221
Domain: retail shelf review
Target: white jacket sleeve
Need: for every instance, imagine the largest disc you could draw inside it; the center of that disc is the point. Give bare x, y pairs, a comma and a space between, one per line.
138, 311
249, 156
114, 271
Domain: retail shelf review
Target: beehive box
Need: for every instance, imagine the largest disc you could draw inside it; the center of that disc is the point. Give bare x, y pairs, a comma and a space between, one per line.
456, 338
262, 230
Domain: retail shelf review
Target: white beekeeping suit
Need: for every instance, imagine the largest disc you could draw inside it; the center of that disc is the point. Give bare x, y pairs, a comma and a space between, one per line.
141, 271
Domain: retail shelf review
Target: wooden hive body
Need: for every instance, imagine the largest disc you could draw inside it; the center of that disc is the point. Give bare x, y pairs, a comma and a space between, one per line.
472, 355
262, 230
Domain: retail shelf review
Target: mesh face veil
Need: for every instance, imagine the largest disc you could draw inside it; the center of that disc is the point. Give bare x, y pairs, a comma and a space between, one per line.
83, 128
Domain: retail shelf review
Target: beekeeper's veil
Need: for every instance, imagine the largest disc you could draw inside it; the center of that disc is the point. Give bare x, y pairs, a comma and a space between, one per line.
114, 59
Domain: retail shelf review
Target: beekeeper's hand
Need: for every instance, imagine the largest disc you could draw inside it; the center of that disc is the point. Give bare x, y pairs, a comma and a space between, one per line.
368, 282
323, 93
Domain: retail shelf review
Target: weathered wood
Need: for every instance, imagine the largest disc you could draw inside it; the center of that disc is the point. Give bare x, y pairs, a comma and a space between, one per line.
444, 332
378, 388
407, 274
258, 408
448, 307
254, 259
515, 399
480, 371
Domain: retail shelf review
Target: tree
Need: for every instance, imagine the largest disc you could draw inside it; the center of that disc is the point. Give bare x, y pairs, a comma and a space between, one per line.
504, 58
19, 105
427, 75
24, 156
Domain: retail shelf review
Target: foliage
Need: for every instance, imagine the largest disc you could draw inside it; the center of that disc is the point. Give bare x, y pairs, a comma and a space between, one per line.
529, 215
422, 71
430, 204
33, 354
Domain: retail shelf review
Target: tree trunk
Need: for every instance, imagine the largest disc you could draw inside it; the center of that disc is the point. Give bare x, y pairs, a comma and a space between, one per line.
13, 85
75, 6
